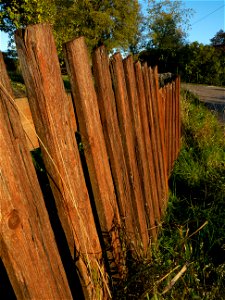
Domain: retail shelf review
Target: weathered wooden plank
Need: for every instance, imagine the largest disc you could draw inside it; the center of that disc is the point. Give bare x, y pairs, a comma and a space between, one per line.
146, 131
48, 103
28, 247
169, 127
153, 137
178, 134
27, 122
166, 141
174, 117
90, 128
141, 151
157, 113
165, 129
128, 140
107, 108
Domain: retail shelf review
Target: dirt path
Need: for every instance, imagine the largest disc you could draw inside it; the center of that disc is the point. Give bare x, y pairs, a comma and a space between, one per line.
213, 96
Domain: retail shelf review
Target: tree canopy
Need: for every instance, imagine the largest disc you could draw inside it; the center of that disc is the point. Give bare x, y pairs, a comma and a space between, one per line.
218, 39
167, 23
114, 23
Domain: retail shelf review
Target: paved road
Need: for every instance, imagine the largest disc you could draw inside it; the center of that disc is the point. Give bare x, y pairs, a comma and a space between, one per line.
213, 96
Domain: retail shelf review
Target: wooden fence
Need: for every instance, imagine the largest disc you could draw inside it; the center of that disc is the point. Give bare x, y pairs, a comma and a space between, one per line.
111, 194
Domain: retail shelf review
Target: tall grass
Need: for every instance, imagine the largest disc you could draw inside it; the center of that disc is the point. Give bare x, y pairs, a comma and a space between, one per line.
188, 261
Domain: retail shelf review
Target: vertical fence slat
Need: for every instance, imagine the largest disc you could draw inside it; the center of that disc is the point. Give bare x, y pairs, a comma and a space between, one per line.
157, 114
47, 97
174, 121
146, 130
128, 140
141, 154
107, 107
166, 138
90, 128
28, 248
170, 144
178, 114
148, 93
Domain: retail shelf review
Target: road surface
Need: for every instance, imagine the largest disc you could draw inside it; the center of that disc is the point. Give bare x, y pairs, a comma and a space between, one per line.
213, 96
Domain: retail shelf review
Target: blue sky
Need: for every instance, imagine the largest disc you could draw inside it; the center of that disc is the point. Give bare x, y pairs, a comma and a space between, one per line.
208, 19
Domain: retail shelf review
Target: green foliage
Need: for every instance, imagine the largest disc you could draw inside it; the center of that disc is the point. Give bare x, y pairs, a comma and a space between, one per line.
219, 38
192, 235
167, 23
19, 13
114, 23
196, 63
203, 64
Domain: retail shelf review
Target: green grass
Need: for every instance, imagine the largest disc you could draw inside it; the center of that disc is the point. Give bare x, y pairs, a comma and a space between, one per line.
192, 236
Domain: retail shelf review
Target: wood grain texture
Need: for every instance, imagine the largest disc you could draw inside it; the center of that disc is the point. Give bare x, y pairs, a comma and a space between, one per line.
27, 123
48, 103
129, 144
157, 113
141, 151
146, 131
28, 248
162, 152
107, 108
90, 128
153, 134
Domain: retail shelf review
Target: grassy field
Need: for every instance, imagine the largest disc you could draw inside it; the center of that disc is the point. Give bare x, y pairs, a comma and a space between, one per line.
188, 262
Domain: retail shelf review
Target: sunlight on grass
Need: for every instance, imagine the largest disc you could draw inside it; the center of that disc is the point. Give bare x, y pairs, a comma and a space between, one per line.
188, 261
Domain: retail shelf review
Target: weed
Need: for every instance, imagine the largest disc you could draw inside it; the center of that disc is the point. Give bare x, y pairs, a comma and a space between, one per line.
188, 260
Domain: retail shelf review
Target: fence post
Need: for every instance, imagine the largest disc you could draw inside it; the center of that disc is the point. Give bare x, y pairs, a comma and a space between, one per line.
157, 114
48, 103
146, 130
170, 124
178, 123
141, 153
107, 108
27, 248
128, 139
153, 136
90, 128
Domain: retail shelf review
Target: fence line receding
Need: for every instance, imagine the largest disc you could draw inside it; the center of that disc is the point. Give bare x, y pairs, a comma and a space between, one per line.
108, 151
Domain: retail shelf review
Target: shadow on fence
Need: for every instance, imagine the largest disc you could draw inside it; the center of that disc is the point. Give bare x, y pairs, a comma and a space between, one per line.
107, 151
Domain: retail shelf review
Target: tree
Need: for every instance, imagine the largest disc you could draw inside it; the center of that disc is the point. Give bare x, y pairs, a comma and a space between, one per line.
167, 23
19, 13
218, 39
114, 23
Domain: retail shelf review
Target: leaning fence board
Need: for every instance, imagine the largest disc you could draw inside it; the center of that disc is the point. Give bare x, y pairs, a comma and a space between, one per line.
107, 108
48, 100
141, 152
178, 116
170, 137
128, 140
27, 248
153, 76
153, 136
111, 194
27, 122
90, 128
146, 131
174, 121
